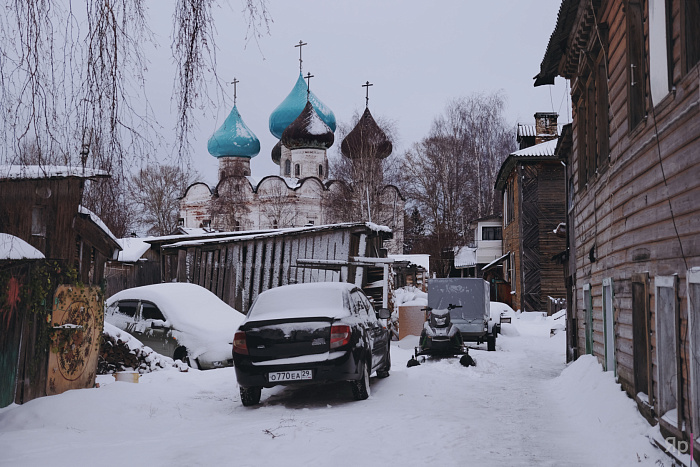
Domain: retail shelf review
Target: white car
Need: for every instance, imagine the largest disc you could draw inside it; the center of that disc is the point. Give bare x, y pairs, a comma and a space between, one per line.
180, 320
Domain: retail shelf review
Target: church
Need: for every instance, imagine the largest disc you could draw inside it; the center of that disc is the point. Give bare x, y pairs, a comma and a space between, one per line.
303, 193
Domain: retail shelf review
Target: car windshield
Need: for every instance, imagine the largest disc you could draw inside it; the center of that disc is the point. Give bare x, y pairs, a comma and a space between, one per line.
288, 302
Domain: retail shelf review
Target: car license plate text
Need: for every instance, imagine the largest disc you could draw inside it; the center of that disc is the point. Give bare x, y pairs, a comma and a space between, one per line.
297, 375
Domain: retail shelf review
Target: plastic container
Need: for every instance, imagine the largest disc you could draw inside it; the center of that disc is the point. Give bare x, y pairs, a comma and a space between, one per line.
127, 376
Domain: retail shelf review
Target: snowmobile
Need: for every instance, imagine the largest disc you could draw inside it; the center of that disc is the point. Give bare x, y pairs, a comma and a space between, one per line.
439, 337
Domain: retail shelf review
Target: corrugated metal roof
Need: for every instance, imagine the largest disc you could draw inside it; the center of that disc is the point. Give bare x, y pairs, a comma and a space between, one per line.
543, 149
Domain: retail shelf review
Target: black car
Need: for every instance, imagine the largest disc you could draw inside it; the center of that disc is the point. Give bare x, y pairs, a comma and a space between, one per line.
310, 333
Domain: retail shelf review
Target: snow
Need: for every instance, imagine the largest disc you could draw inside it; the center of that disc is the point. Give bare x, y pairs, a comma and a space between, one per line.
520, 406
132, 249
94, 218
188, 307
36, 172
419, 260
12, 247
464, 256
410, 296
319, 299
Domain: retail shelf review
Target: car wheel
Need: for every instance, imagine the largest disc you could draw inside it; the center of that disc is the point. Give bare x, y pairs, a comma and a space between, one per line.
491, 342
250, 396
387, 365
360, 387
181, 354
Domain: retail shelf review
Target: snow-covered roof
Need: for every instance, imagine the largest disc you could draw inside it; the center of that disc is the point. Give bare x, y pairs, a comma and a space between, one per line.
496, 261
35, 172
464, 256
94, 218
537, 152
223, 237
12, 247
419, 260
531, 130
132, 249
543, 149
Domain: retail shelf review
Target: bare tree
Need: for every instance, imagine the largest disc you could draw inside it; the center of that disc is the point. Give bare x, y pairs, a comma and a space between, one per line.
449, 176
155, 193
361, 196
230, 206
65, 69
277, 205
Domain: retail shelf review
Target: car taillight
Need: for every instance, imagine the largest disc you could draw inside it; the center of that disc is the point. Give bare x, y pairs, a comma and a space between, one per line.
239, 343
340, 335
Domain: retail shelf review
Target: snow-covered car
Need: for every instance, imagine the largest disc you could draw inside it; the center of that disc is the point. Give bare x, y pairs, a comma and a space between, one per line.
310, 333
183, 321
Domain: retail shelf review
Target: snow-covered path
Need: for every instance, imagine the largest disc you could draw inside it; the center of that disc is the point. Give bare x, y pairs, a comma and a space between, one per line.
513, 409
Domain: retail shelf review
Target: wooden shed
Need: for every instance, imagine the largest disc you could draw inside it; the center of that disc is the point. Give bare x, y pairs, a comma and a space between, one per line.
633, 194
240, 265
50, 302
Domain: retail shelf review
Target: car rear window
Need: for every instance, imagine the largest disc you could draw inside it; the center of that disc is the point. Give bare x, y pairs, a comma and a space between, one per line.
299, 302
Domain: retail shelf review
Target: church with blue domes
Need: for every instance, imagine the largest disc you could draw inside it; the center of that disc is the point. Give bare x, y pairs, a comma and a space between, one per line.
302, 194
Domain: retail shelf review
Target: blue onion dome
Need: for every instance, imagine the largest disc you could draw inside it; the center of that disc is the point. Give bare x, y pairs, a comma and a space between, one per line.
277, 153
366, 140
234, 138
308, 131
291, 107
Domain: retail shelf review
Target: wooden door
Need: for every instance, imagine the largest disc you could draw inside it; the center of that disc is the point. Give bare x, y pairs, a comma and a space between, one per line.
77, 322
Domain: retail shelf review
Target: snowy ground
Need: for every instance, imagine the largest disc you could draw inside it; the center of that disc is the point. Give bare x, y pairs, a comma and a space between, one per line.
520, 406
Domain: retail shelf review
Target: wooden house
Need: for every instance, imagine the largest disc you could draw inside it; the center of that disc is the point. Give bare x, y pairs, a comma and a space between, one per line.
531, 181
51, 307
633, 178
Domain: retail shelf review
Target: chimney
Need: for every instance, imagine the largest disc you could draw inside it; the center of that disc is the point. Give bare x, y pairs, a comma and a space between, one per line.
546, 126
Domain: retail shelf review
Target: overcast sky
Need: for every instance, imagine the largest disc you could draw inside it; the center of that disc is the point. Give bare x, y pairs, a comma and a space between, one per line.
419, 55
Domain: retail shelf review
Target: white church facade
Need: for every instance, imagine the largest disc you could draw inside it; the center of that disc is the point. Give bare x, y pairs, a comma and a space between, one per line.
302, 194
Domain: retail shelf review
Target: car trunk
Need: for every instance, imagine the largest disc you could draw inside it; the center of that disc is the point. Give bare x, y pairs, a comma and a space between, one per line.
288, 338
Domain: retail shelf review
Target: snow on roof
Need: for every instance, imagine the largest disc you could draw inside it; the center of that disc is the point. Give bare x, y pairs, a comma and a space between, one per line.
94, 218
34, 172
419, 260
12, 247
538, 150
132, 249
253, 234
464, 256
531, 130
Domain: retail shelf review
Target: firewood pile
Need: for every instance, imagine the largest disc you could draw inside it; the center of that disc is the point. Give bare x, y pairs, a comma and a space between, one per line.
124, 353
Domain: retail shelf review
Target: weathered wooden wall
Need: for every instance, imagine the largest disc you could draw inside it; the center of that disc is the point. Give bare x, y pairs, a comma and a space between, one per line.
239, 268
59, 199
641, 214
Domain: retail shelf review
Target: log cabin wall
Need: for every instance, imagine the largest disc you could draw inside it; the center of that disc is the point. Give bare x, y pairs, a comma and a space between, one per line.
238, 269
636, 215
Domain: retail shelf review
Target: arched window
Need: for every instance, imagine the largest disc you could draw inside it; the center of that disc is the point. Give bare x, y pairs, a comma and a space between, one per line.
297, 170
288, 167
320, 170
274, 223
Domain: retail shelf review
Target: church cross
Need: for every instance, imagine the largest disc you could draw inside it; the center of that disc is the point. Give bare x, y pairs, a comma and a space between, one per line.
234, 82
308, 84
367, 85
300, 45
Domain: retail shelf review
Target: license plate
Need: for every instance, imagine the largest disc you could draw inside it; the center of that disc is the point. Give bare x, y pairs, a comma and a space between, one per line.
297, 375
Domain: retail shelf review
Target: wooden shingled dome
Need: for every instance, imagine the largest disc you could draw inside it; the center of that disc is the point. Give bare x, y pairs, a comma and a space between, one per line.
366, 140
308, 131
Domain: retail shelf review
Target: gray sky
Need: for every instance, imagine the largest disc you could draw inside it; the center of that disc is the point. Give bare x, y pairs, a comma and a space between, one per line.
418, 54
